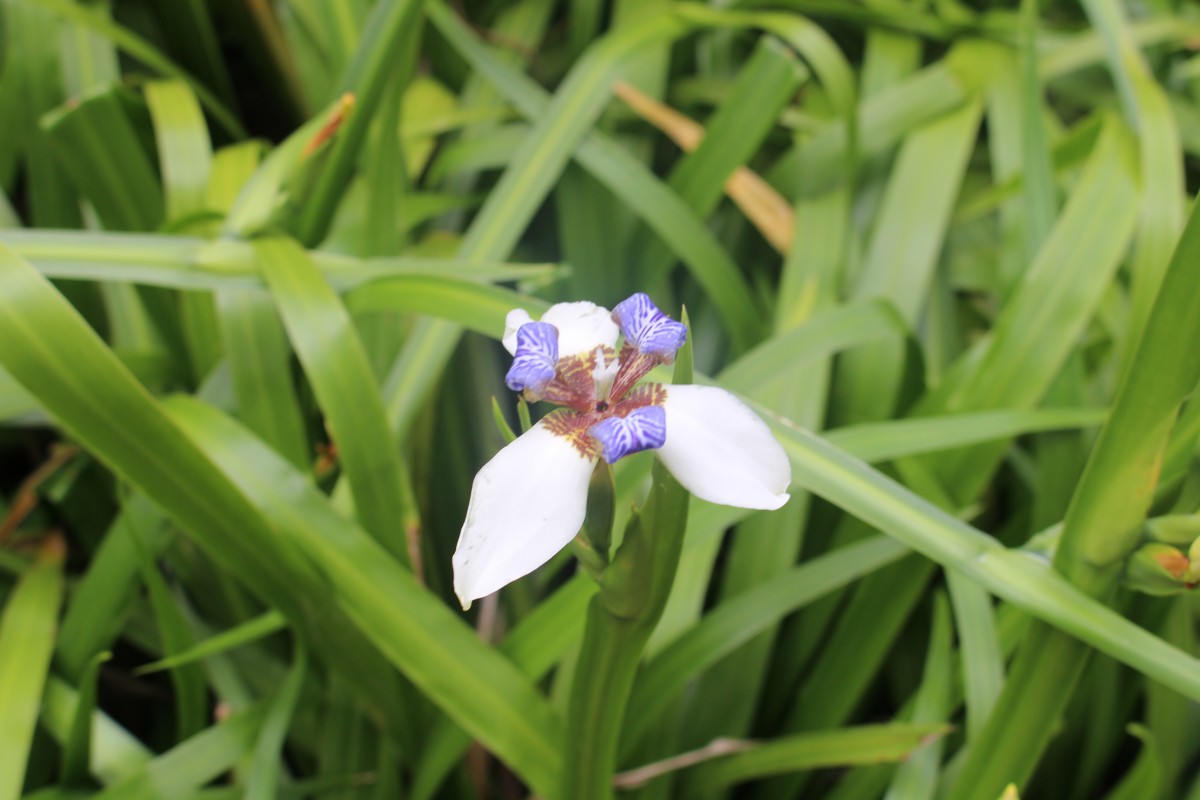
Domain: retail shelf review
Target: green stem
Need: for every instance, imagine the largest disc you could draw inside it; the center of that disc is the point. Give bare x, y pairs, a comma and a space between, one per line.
608, 663
633, 593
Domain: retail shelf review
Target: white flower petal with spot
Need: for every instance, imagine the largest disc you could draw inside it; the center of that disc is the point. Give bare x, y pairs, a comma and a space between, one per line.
582, 327
720, 450
527, 503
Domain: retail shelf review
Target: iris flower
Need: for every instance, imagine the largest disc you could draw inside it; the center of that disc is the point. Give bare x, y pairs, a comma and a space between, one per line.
528, 502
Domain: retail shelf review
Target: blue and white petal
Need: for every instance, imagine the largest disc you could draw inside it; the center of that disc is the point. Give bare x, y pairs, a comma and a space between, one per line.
647, 328
720, 450
582, 327
535, 359
641, 429
512, 323
527, 503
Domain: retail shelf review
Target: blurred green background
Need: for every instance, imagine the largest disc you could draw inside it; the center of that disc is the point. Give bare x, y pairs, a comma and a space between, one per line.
255, 256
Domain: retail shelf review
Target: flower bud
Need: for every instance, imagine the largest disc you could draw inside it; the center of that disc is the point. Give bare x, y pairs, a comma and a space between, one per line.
1158, 569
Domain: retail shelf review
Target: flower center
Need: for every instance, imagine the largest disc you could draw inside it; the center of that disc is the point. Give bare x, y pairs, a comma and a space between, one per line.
603, 430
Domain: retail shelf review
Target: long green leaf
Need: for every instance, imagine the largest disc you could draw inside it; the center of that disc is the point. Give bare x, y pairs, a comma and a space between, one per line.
480, 689
27, 628
868, 744
740, 618
336, 364
181, 771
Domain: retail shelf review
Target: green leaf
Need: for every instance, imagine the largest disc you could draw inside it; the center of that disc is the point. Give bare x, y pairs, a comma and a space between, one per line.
184, 150
27, 628
1023, 580
917, 777
337, 367
260, 365
738, 619
868, 744
244, 633
1014, 365
144, 52
364, 79
187, 767
263, 781
563, 123
120, 181
908, 236
77, 750
114, 754
477, 687
175, 636
81, 383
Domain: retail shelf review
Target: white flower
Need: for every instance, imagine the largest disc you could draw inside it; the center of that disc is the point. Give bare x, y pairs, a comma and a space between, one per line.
528, 502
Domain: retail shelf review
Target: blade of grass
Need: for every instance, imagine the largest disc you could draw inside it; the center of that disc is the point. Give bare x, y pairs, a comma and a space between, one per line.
33, 68
114, 752
738, 619
263, 781
27, 628
77, 749
260, 362
735, 132
338, 370
175, 636
1021, 579
188, 28
184, 150
910, 228
867, 744
1103, 522
143, 51
179, 262
244, 633
365, 78
185, 161
980, 653
917, 777
1014, 365
119, 181
408, 624
191, 765
101, 601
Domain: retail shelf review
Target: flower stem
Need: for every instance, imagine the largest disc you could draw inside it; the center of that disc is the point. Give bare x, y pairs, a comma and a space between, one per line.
633, 594
607, 665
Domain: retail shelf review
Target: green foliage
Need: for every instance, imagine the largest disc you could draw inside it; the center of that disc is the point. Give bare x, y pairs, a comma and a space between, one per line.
254, 258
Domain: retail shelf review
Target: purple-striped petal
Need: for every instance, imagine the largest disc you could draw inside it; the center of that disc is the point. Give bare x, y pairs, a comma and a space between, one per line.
641, 429
536, 358
647, 328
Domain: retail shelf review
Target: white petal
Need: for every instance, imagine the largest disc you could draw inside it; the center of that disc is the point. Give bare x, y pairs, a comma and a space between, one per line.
515, 319
582, 327
527, 503
721, 451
